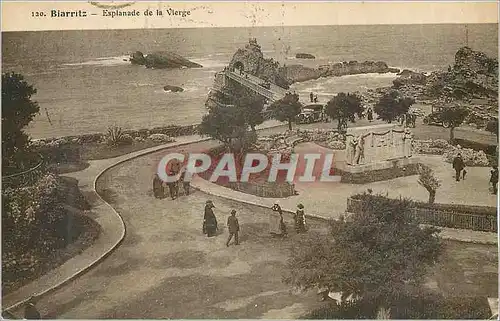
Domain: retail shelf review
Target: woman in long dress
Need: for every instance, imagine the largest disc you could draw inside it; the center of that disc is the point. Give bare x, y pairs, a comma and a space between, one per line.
209, 220
277, 226
300, 219
158, 187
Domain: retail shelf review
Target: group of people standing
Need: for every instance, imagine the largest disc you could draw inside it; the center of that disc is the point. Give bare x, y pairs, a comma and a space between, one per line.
173, 187
277, 225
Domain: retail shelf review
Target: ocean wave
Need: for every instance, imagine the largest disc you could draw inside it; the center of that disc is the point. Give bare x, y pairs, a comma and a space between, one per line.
135, 84
103, 61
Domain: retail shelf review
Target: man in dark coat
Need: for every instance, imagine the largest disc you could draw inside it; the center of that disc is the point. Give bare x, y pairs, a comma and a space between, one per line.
173, 187
311, 96
458, 165
369, 113
209, 220
185, 184
494, 179
158, 187
233, 227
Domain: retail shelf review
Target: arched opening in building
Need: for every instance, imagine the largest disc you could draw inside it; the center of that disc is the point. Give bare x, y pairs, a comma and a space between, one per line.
238, 66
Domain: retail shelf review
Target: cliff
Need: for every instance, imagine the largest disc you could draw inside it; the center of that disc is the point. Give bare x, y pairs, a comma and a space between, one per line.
252, 60
162, 60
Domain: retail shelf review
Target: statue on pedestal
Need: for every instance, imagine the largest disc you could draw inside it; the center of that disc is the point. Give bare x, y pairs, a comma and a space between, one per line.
407, 139
351, 150
359, 155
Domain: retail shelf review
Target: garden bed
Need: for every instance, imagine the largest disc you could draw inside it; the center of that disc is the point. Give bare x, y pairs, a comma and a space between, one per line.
476, 218
30, 266
257, 183
43, 225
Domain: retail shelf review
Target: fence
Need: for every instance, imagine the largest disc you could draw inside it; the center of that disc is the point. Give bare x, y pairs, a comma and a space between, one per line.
477, 218
26, 177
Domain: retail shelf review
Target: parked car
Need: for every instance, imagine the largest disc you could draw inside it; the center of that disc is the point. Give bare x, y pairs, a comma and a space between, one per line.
311, 114
266, 85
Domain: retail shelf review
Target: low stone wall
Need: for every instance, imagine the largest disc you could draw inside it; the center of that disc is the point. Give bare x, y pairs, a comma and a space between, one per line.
476, 218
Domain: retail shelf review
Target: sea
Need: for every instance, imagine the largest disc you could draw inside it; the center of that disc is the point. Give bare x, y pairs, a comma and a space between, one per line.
85, 83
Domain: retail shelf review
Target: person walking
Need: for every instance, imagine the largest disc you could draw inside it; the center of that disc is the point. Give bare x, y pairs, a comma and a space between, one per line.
369, 114
173, 187
494, 179
458, 166
311, 96
277, 226
316, 98
30, 310
300, 219
158, 189
209, 220
185, 184
233, 228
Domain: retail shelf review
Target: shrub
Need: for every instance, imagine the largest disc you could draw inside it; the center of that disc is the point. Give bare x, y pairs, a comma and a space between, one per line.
428, 181
160, 138
116, 136
470, 156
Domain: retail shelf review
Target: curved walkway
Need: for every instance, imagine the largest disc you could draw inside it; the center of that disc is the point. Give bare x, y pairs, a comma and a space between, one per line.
112, 225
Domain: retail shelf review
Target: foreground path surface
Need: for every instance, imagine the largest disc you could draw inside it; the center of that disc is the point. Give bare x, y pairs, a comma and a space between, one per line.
166, 268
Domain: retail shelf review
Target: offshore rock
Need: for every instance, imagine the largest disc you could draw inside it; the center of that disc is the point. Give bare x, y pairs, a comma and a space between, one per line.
162, 60
173, 89
304, 56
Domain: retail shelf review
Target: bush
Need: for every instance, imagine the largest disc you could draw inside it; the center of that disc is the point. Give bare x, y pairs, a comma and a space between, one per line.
116, 137
162, 138
470, 156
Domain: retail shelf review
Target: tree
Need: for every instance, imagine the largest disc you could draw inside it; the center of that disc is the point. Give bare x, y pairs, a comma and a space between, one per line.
453, 116
492, 126
392, 105
428, 181
377, 255
18, 110
286, 109
224, 123
251, 106
344, 107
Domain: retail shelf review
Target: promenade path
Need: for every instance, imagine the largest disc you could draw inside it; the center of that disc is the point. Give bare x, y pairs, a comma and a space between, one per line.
166, 268
158, 264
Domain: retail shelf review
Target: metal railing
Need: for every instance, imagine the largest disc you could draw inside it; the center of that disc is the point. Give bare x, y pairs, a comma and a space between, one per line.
443, 217
26, 177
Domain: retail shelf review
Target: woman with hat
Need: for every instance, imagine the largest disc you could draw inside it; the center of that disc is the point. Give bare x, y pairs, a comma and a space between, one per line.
300, 219
277, 225
209, 220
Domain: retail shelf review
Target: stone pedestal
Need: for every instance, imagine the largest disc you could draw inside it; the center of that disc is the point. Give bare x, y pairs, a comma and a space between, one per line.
379, 152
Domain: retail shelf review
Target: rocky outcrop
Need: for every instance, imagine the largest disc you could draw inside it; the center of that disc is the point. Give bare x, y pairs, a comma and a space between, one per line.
304, 56
173, 89
409, 77
252, 60
298, 73
162, 60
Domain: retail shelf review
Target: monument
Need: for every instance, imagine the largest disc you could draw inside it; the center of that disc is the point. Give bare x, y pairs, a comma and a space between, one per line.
378, 152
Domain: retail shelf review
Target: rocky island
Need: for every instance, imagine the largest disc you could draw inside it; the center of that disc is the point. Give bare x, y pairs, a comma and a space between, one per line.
304, 56
162, 60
